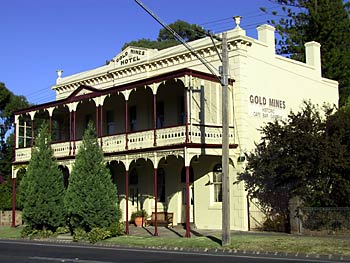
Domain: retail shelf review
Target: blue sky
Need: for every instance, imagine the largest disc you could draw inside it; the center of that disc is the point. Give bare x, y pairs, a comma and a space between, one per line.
39, 37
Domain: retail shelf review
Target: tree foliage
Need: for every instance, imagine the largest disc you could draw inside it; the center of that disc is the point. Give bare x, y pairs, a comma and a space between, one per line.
165, 39
306, 156
8, 103
91, 199
42, 186
324, 21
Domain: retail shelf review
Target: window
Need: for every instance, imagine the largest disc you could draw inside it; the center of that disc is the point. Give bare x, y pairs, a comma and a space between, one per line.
161, 184
110, 122
217, 183
160, 114
133, 118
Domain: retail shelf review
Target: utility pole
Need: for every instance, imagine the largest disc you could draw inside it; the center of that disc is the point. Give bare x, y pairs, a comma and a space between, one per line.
226, 223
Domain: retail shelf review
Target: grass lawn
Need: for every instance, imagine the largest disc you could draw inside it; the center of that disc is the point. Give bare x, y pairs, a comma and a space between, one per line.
248, 242
10, 232
262, 243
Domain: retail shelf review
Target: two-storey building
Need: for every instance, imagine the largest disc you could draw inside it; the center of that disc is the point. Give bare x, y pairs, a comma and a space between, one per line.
158, 120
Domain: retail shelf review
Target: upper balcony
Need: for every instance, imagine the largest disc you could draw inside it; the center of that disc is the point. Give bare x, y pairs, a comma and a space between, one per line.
207, 136
157, 113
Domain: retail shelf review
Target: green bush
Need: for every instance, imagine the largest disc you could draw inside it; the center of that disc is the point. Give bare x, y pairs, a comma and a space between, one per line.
26, 231
276, 223
116, 229
79, 234
62, 230
98, 234
31, 233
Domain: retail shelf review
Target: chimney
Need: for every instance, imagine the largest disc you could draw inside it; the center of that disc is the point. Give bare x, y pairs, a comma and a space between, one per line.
313, 55
266, 34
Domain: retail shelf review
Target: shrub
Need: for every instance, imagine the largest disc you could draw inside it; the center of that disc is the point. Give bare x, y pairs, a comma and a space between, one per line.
62, 230
31, 233
116, 229
98, 234
79, 234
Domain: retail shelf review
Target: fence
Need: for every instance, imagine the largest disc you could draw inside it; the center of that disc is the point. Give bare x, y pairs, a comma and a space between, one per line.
324, 220
6, 218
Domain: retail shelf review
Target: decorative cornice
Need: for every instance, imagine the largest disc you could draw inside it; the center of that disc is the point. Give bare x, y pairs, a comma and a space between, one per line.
113, 75
118, 88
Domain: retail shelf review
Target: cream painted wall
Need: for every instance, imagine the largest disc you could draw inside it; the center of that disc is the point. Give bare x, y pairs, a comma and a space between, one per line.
207, 213
281, 79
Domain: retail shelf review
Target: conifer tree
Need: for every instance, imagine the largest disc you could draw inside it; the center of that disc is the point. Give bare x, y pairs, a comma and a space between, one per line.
42, 187
91, 195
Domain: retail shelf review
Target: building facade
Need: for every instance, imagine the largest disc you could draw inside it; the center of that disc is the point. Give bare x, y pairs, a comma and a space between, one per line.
158, 121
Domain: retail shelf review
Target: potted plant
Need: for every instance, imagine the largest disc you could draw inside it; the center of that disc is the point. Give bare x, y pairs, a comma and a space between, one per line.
138, 217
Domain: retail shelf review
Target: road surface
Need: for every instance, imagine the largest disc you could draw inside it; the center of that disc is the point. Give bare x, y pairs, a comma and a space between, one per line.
39, 252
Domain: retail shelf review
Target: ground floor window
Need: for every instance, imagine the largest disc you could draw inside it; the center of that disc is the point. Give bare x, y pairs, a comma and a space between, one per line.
217, 183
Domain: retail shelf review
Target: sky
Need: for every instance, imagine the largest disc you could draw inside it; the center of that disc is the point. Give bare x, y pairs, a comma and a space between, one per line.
38, 37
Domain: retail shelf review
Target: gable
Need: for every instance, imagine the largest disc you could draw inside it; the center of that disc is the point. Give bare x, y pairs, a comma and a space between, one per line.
83, 91
131, 55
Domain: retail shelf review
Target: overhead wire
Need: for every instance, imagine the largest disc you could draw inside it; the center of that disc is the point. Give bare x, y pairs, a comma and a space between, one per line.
217, 24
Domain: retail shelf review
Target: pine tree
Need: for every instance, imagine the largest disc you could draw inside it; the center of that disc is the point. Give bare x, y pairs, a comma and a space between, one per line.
42, 187
91, 195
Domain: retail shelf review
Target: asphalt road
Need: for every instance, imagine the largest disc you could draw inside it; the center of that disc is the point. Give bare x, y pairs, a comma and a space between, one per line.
39, 252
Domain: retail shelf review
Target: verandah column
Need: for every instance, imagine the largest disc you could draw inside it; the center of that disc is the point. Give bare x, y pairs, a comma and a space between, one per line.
32, 114
74, 130
72, 107
126, 94
187, 197
155, 119
126, 201
70, 132
97, 117
186, 114
13, 223
126, 124
155, 177
188, 230
15, 137
50, 111
101, 124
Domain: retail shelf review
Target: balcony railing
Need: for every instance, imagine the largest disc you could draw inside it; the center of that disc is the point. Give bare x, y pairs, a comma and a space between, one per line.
139, 140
